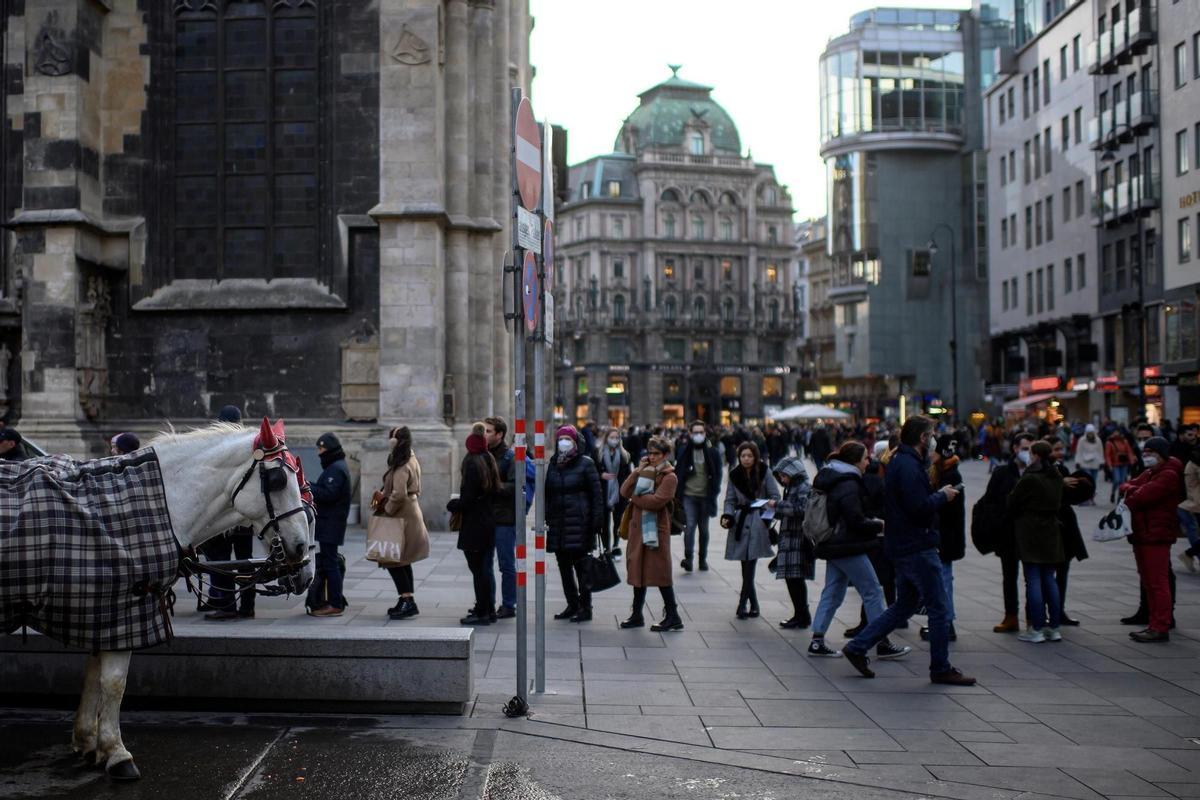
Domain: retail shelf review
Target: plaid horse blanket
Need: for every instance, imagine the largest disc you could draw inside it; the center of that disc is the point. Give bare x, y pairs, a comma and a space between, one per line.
86, 550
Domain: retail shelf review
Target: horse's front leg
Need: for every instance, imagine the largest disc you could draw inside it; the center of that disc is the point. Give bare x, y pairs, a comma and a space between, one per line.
118, 763
84, 738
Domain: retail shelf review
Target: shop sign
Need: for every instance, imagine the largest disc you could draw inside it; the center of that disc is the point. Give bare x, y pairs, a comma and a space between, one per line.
1107, 383
1190, 381
1080, 384
1047, 383
829, 390
1161, 380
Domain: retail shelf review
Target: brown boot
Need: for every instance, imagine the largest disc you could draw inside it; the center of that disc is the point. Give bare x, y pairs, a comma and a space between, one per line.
1008, 625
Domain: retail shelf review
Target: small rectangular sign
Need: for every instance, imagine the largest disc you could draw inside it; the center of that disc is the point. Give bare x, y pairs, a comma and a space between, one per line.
529, 231
548, 318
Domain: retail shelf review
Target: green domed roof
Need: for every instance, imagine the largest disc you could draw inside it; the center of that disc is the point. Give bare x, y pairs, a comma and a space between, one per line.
668, 106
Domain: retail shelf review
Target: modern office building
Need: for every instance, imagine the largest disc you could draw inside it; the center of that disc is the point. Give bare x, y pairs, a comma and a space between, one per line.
1179, 106
1125, 134
674, 273
897, 94
1043, 292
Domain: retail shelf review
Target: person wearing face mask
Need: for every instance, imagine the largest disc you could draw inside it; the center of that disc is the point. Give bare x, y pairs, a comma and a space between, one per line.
574, 513
1089, 454
614, 463
1152, 498
1119, 456
698, 468
1034, 507
1141, 434
650, 489
910, 539
992, 532
1078, 489
749, 539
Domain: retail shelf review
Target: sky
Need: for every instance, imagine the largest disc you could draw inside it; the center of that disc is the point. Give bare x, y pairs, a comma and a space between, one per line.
593, 58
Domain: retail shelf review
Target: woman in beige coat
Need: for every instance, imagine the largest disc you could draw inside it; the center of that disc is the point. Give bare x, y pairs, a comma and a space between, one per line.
398, 499
650, 490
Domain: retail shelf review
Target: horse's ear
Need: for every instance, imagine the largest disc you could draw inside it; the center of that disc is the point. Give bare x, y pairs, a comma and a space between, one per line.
266, 436
279, 431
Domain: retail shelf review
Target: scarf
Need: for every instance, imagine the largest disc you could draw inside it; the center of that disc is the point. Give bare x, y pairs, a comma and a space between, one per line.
646, 484
611, 461
843, 468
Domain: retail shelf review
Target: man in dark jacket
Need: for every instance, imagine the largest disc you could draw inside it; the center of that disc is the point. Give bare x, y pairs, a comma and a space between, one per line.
331, 496
992, 529
698, 469
820, 446
504, 514
10, 445
236, 542
910, 538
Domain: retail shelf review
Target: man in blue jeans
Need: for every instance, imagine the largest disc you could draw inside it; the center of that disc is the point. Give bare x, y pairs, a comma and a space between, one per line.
910, 538
698, 468
495, 429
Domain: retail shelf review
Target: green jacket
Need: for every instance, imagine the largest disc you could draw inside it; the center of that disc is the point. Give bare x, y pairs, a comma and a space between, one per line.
1034, 507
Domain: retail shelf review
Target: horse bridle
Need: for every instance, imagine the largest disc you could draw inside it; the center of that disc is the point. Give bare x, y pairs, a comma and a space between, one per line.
271, 479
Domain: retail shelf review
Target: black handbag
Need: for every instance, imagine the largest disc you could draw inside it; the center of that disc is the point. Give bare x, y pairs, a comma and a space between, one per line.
599, 572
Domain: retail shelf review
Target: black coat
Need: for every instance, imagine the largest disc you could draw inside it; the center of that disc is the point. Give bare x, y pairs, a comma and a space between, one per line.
819, 446
685, 467
854, 532
331, 496
474, 504
1072, 537
952, 520
504, 510
991, 523
574, 504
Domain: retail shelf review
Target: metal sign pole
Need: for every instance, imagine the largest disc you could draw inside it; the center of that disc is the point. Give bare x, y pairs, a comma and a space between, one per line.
539, 423
522, 535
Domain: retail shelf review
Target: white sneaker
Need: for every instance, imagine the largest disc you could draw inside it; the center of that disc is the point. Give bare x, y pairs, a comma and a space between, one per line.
1188, 561
1032, 636
1052, 634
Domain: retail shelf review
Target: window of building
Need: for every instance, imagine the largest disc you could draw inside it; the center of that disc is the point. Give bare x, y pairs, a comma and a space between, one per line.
701, 308
1106, 269
773, 313
771, 196
1049, 287
669, 226
618, 350
697, 140
1180, 64
727, 310
1196, 55
1119, 264
1078, 198
673, 385
772, 273
1037, 219
1062, 63
669, 196
1037, 93
675, 349
1066, 204
1013, 293
1180, 323
772, 387
1029, 293
1041, 291
1181, 152
1000, 105
1068, 275
1151, 256
1027, 164
585, 190
726, 269
1003, 233
1047, 143
1004, 296
669, 268
1075, 45
1078, 115
697, 227
1011, 93
732, 353
702, 351
1185, 240
670, 310
1028, 227
1012, 229
614, 188
619, 308
1003, 170
244, 143
1025, 96
618, 268
1080, 271
1050, 218
1037, 155
1066, 133
697, 270
1012, 166
726, 229
1046, 82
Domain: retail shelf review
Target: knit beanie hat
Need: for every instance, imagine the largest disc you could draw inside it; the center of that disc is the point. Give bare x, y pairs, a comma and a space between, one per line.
476, 444
1159, 445
329, 441
230, 413
567, 432
126, 442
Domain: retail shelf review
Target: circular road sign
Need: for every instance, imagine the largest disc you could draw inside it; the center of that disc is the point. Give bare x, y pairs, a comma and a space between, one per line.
529, 156
530, 294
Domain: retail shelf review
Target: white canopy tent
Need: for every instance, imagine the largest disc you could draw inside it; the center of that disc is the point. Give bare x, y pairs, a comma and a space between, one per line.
809, 411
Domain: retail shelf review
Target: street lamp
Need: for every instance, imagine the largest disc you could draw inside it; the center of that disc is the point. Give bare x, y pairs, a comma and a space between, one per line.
1108, 157
933, 248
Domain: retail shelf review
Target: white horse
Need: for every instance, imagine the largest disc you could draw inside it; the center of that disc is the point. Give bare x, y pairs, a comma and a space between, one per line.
209, 477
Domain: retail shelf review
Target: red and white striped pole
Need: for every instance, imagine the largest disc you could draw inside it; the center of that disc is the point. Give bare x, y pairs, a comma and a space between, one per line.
519, 451
539, 543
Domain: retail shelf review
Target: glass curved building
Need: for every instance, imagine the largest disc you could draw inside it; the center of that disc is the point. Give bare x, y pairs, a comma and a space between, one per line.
897, 95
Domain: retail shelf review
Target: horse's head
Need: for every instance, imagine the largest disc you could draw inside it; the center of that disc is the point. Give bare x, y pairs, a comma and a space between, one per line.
273, 496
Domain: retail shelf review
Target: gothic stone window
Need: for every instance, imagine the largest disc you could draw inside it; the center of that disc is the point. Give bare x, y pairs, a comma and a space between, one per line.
240, 130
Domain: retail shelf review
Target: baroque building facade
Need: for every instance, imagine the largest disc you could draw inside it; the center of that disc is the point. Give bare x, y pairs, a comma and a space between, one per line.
299, 207
674, 277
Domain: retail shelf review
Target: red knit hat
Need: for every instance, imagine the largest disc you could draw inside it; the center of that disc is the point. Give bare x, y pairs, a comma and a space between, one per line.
476, 444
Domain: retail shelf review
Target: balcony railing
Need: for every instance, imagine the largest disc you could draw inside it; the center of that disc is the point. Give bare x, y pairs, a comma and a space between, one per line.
1139, 29
1123, 203
1143, 109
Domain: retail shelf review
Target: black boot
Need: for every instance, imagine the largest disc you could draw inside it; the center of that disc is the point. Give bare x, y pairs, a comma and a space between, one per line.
571, 610
584, 614
407, 607
670, 621
636, 620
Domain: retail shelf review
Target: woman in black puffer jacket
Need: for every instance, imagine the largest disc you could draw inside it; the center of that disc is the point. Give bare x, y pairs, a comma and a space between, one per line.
574, 514
845, 552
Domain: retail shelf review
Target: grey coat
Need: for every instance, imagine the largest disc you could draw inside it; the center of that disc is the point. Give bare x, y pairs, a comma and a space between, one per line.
752, 540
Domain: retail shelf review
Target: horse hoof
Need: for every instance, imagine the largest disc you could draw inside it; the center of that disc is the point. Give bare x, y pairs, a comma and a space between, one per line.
124, 771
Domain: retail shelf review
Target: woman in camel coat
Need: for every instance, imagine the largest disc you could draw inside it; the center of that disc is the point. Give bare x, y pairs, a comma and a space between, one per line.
399, 499
650, 490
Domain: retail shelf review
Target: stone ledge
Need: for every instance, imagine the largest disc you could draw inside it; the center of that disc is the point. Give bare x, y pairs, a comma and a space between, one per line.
275, 666
240, 294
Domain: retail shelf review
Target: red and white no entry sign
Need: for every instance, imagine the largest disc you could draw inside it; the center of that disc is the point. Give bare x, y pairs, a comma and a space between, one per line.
529, 156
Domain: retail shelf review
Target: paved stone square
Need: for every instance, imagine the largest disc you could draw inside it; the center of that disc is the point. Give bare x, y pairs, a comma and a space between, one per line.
1094, 716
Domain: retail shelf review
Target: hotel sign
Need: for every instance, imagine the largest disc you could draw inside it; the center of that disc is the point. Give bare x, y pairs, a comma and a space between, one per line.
1189, 200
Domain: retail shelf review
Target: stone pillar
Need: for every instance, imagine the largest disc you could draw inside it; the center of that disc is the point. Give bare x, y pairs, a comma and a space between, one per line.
458, 249
502, 385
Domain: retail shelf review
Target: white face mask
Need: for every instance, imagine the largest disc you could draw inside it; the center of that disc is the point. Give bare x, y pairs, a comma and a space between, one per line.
613, 442
1150, 460
1023, 456
698, 438
566, 446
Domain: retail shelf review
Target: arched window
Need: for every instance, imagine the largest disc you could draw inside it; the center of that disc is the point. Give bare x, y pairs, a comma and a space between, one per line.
727, 310
669, 309
772, 234
697, 227
771, 196
619, 309
728, 199
701, 310
669, 226
697, 141
726, 229
699, 199
669, 196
